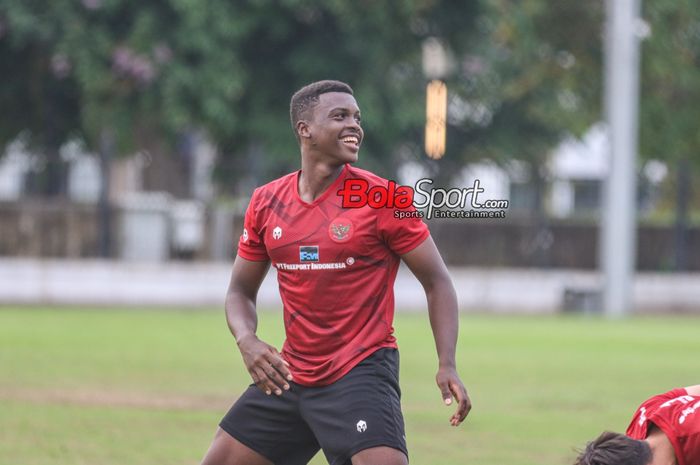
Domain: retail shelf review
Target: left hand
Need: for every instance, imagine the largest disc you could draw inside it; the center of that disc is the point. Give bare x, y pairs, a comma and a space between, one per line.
450, 385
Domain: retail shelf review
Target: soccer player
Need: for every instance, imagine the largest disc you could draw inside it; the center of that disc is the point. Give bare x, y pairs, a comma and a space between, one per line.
665, 430
335, 384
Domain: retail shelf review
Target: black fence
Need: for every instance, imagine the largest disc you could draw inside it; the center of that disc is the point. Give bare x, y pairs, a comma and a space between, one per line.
559, 244
54, 229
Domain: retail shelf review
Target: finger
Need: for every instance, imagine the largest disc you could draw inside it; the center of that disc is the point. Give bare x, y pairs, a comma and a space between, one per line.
261, 380
446, 394
464, 405
275, 358
276, 380
275, 371
281, 365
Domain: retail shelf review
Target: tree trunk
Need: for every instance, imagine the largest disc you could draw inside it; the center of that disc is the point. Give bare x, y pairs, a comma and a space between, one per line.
54, 175
543, 235
680, 236
104, 210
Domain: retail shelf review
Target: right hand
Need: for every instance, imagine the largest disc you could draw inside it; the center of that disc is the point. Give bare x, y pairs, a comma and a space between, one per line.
265, 364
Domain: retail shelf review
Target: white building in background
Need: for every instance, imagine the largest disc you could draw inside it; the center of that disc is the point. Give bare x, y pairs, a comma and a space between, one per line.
576, 171
14, 166
84, 182
578, 168
493, 179
151, 225
18, 162
204, 159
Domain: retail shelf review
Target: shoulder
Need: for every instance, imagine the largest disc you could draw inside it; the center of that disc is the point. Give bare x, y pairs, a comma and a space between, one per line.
371, 178
668, 407
663, 410
666, 399
659, 402
276, 189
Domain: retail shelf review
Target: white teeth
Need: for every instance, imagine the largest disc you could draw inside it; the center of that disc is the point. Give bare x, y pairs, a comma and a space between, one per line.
351, 139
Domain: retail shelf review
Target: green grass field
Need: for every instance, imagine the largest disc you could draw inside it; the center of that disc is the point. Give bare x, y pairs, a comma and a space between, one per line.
118, 387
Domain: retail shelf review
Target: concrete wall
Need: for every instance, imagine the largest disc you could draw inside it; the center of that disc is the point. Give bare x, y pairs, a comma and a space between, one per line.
178, 284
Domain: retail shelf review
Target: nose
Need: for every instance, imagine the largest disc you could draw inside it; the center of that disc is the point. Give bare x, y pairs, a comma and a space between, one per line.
355, 125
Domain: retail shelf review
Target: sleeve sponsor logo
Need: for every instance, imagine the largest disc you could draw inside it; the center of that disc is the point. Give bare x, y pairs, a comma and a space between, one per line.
680, 399
642, 415
688, 411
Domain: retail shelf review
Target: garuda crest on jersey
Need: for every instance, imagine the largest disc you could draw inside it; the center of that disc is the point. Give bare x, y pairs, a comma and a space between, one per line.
340, 230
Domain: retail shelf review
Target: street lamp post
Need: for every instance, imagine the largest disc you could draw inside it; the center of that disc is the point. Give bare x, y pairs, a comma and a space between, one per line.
618, 228
436, 65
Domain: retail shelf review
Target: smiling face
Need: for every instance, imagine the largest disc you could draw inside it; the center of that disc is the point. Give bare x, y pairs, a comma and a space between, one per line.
332, 130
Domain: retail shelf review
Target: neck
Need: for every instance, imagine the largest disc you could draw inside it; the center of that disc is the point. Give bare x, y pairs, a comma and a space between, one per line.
662, 452
315, 178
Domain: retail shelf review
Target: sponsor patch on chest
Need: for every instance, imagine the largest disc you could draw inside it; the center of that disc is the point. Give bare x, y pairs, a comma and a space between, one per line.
308, 253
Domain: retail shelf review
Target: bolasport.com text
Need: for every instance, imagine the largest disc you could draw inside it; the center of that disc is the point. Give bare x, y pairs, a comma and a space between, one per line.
428, 202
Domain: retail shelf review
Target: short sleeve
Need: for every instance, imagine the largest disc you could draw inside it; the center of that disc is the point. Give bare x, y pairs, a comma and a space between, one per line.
402, 230
251, 245
652, 410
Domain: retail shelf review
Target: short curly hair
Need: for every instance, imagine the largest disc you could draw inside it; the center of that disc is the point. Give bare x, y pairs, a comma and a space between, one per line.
615, 449
307, 97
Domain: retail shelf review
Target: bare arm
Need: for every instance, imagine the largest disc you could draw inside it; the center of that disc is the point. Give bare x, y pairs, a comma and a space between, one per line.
693, 390
264, 363
427, 265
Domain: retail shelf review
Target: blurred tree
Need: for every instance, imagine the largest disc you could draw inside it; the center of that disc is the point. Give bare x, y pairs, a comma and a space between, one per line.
532, 77
670, 89
373, 45
37, 100
527, 73
146, 72
671, 81
535, 75
149, 71
122, 75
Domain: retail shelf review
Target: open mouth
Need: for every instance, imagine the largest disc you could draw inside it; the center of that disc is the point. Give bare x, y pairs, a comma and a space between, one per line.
351, 141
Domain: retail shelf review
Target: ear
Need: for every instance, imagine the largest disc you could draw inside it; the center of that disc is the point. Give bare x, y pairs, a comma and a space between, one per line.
303, 129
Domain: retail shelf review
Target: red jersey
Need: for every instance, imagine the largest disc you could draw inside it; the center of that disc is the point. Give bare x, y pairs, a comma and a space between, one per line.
677, 414
335, 268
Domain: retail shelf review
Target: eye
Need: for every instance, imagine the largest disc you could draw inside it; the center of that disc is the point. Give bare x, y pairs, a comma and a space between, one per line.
339, 117
358, 118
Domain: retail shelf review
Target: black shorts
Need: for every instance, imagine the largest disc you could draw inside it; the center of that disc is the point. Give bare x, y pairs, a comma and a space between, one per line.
359, 411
